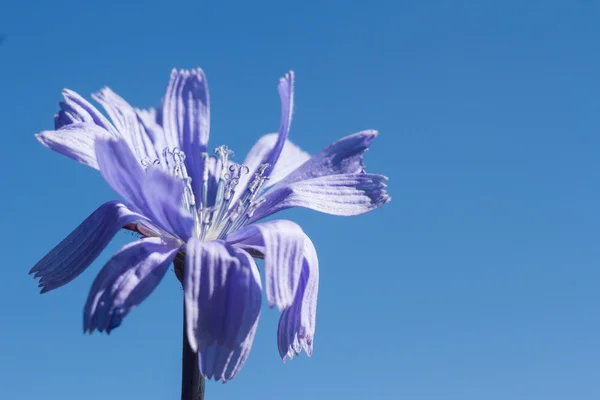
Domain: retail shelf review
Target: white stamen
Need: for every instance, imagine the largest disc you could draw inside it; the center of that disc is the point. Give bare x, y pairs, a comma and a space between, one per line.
223, 217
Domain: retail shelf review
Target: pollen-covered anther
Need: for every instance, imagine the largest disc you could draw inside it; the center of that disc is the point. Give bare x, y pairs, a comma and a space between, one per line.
259, 180
254, 206
224, 152
236, 171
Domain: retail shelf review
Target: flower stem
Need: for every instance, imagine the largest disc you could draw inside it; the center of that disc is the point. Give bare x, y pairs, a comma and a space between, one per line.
192, 382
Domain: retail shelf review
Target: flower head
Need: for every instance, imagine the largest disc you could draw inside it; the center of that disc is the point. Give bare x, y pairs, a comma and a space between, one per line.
205, 208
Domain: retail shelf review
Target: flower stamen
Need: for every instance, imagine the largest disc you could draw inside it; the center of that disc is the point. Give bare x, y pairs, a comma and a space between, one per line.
223, 217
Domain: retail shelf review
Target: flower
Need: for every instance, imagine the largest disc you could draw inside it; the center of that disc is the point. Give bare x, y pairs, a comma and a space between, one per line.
206, 210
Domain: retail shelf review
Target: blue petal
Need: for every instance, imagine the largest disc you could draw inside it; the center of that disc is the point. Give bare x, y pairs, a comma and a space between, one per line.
219, 363
296, 330
222, 303
154, 193
286, 94
345, 194
143, 143
148, 118
290, 159
282, 243
78, 250
78, 124
163, 196
267, 150
125, 281
75, 141
344, 156
186, 120
76, 109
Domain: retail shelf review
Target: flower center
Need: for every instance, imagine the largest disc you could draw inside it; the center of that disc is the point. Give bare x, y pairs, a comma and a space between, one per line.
225, 216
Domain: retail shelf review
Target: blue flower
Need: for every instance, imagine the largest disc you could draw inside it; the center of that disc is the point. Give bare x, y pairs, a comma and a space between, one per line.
205, 210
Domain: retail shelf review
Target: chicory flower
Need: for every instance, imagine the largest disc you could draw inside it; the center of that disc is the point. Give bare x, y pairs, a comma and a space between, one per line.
206, 210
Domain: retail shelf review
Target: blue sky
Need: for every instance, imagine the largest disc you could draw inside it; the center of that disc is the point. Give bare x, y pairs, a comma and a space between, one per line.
478, 281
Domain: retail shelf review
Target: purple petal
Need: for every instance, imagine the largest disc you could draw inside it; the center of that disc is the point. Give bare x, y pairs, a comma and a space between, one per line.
220, 363
296, 329
149, 120
75, 141
347, 194
282, 243
78, 250
291, 158
344, 156
260, 153
76, 109
125, 281
186, 120
222, 303
154, 193
163, 196
286, 93
130, 126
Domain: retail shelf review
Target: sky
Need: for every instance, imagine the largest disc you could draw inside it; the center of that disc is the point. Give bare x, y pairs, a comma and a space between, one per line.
478, 281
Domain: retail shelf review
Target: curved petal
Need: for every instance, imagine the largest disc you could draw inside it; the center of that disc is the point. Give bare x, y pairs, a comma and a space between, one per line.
130, 125
345, 194
75, 141
271, 154
78, 250
149, 120
282, 243
154, 193
219, 363
163, 196
344, 156
222, 303
125, 281
286, 94
296, 330
76, 109
186, 120
291, 158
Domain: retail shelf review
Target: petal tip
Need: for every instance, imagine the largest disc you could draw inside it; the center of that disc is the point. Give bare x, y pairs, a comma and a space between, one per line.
287, 79
41, 137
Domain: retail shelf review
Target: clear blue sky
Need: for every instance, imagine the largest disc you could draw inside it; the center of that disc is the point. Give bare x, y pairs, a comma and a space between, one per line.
478, 281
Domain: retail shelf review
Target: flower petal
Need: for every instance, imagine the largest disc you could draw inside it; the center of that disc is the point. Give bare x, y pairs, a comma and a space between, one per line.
282, 243
186, 120
291, 158
78, 250
269, 150
345, 194
296, 329
344, 156
130, 126
163, 196
154, 193
222, 303
286, 93
125, 281
75, 141
222, 364
76, 109
149, 120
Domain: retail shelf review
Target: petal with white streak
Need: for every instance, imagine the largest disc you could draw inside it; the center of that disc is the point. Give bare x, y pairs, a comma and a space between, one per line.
344, 194
222, 304
127, 280
296, 330
77, 251
282, 243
